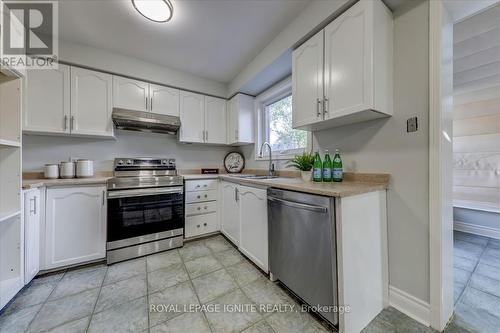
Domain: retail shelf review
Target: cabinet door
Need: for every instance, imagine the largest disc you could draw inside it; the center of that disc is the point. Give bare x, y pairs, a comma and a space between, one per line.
230, 212
164, 100
307, 81
91, 102
75, 225
253, 217
31, 234
130, 94
215, 120
232, 121
192, 115
348, 69
47, 100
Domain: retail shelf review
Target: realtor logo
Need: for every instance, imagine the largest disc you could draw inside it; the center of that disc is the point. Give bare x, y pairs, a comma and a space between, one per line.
29, 34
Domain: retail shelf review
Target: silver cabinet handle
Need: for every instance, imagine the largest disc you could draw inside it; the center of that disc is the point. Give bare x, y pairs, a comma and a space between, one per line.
206, 196
236, 194
198, 226
151, 106
199, 208
318, 107
33, 211
205, 185
199, 197
146, 103
299, 205
207, 135
65, 122
205, 207
103, 197
204, 224
326, 105
72, 123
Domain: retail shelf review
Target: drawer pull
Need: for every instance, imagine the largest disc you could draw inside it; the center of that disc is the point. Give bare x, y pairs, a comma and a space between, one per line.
197, 186
199, 208
205, 207
198, 197
198, 226
206, 196
204, 224
205, 185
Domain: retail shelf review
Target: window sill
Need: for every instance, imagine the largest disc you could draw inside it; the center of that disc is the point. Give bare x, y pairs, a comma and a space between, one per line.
276, 157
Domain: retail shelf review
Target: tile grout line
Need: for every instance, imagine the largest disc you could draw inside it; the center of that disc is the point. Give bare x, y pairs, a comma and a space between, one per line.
194, 289
46, 300
97, 299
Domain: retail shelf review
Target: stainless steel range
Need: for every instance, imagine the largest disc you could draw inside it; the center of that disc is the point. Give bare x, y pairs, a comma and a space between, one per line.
145, 208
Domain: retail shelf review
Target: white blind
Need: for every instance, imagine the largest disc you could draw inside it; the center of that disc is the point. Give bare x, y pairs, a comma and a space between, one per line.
476, 124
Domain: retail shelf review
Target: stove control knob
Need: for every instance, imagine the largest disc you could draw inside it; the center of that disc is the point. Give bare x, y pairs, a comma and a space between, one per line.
120, 162
129, 162
164, 162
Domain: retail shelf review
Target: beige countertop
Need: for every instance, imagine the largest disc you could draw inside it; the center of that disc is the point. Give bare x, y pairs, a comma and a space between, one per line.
353, 184
34, 183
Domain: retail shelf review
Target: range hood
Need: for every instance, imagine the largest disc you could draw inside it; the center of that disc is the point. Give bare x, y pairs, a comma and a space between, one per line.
145, 121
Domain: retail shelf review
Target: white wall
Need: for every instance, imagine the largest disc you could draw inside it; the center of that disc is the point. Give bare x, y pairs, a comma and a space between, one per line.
307, 20
39, 150
113, 62
384, 146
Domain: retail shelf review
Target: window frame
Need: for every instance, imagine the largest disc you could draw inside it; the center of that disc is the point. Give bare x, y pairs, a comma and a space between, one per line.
277, 92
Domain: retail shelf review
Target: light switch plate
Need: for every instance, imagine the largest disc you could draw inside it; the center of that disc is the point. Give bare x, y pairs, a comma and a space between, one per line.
412, 124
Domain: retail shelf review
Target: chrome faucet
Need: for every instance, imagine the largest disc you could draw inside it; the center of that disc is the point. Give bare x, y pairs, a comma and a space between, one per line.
271, 165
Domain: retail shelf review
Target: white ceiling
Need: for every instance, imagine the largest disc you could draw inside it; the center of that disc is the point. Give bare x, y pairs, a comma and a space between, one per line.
213, 39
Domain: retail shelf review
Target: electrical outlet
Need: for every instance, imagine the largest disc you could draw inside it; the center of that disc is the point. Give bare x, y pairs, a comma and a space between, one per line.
412, 124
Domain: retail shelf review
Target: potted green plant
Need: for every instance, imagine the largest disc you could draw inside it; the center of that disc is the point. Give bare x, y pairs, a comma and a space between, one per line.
304, 163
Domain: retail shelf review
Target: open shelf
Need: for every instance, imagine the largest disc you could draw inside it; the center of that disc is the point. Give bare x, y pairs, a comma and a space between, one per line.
4, 216
9, 143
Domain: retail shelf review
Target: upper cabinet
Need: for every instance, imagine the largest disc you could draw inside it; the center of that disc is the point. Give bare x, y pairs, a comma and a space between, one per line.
91, 102
343, 74
142, 96
130, 94
164, 100
68, 100
240, 120
47, 108
203, 119
215, 120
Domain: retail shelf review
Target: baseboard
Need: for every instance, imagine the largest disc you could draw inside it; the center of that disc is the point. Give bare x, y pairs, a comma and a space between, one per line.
476, 229
410, 305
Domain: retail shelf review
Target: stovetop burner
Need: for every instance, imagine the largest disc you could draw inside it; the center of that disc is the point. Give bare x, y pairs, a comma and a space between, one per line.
144, 172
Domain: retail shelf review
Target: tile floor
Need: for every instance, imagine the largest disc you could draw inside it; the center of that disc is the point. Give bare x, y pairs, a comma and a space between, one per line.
477, 283
212, 274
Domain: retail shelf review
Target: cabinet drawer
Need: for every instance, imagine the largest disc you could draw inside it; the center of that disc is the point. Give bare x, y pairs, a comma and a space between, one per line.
201, 185
201, 224
201, 208
201, 196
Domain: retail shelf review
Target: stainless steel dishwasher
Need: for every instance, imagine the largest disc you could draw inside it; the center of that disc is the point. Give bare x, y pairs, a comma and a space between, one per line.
302, 252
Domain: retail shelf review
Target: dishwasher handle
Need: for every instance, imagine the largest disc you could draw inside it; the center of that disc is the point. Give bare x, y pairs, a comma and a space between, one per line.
299, 205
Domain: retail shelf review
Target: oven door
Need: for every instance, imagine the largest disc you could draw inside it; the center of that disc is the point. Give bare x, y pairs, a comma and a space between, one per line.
138, 212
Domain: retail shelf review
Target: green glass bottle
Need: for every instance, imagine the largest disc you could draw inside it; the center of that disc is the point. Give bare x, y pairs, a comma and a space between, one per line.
327, 168
317, 168
338, 173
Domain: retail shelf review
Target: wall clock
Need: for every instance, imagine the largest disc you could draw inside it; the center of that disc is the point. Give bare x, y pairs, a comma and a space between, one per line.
234, 162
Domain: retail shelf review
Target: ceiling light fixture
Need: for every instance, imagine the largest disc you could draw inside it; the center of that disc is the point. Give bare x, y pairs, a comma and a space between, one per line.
160, 11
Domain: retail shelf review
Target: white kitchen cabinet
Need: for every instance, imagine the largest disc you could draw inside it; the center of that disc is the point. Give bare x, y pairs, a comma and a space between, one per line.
253, 225
130, 94
355, 82
307, 82
75, 230
91, 102
240, 120
47, 107
32, 206
11, 258
201, 207
230, 222
164, 100
192, 114
215, 120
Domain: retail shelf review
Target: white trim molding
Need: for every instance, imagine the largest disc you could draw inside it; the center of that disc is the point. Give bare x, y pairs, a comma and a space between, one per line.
440, 165
411, 306
477, 229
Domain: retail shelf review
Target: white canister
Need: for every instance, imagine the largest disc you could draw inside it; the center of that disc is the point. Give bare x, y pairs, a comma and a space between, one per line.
84, 168
51, 171
67, 169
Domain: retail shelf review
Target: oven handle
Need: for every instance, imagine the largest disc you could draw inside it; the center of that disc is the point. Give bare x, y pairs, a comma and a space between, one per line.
144, 192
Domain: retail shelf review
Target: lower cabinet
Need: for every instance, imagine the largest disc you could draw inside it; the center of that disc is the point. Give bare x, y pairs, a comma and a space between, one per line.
31, 234
244, 221
253, 225
75, 225
230, 225
201, 207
